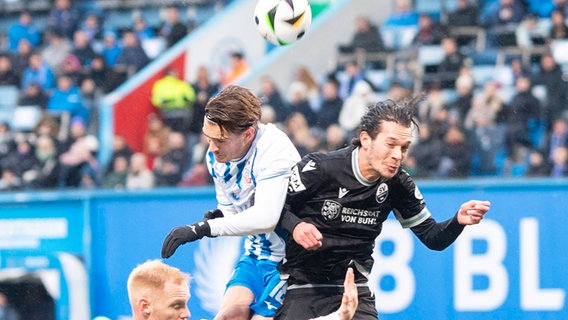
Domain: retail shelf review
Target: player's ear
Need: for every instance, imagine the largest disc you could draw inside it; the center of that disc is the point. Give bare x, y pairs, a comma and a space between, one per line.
365, 139
144, 307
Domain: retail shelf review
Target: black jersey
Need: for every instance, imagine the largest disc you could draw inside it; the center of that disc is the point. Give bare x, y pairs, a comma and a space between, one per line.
328, 190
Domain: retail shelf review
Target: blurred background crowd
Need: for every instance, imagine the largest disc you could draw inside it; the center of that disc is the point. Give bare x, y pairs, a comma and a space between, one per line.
492, 75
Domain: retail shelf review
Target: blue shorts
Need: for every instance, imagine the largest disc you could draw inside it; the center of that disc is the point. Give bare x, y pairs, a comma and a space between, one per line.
263, 279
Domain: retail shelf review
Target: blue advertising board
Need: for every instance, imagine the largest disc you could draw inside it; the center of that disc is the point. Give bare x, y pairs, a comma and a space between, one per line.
508, 267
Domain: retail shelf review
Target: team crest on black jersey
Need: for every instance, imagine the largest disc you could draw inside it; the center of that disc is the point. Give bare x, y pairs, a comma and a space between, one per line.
382, 193
330, 209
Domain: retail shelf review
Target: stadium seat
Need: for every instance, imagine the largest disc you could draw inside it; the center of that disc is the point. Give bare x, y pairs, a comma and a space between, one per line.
559, 50
398, 38
154, 46
25, 118
8, 103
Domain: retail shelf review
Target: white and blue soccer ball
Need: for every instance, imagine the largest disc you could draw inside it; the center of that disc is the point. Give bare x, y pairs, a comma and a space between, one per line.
282, 22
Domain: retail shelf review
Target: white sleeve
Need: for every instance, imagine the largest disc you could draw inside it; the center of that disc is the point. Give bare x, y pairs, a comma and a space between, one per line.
261, 217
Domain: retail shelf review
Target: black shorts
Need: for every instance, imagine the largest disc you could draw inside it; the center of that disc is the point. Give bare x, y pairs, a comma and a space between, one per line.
307, 303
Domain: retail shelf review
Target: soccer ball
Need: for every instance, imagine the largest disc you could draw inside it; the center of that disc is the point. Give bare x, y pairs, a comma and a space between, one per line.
282, 22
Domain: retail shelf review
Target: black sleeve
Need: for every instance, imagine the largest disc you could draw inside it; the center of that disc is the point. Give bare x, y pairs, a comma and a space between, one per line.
288, 220
438, 236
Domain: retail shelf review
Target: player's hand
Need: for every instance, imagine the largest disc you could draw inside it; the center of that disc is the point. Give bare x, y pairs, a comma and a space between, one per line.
473, 211
350, 299
307, 235
212, 214
184, 234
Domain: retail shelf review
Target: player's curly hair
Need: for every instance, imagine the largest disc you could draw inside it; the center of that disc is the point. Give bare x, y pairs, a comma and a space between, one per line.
401, 112
234, 109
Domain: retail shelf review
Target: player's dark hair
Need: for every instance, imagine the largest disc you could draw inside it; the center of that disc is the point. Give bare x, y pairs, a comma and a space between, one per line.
401, 112
234, 109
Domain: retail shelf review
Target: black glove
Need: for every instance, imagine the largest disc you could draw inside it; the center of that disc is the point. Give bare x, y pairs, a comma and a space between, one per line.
184, 234
212, 214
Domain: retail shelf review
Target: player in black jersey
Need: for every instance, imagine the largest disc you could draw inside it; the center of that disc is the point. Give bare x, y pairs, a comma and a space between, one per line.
336, 205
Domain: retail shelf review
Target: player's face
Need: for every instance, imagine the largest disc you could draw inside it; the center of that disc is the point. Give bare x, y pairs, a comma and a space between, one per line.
226, 146
170, 303
383, 156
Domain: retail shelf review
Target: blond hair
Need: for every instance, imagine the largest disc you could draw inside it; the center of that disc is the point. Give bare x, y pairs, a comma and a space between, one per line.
150, 276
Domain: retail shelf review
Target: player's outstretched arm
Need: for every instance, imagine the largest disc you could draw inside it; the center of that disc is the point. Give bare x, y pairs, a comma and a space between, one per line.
349, 302
188, 233
472, 212
350, 299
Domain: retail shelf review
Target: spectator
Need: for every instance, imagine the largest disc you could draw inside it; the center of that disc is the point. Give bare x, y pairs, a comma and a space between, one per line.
559, 162
429, 32
21, 59
238, 67
34, 95
82, 48
170, 167
403, 14
551, 77
46, 173
174, 98
38, 72
466, 14
139, 176
155, 139
305, 76
78, 161
523, 110
71, 67
538, 166
173, 29
7, 142
298, 102
519, 69
91, 27
455, 155
270, 95
531, 33
111, 49
115, 178
481, 121
353, 74
558, 137
143, 32
20, 161
462, 104
365, 39
558, 29
335, 138
297, 128
434, 103
23, 29
503, 21
57, 49
198, 175
7, 75
63, 18
132, 56
355, 107
67, 98
331, 105
424, 156
105, 78
204, 88
453, 61
267, 114
120, 148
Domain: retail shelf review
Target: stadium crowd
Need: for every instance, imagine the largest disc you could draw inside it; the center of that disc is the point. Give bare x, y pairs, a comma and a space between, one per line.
514, 123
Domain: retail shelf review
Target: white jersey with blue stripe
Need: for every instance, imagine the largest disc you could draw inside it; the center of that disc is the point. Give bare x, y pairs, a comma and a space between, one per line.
251, 192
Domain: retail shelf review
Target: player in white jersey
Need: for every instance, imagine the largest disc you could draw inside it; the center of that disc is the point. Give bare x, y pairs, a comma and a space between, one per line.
250, 164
